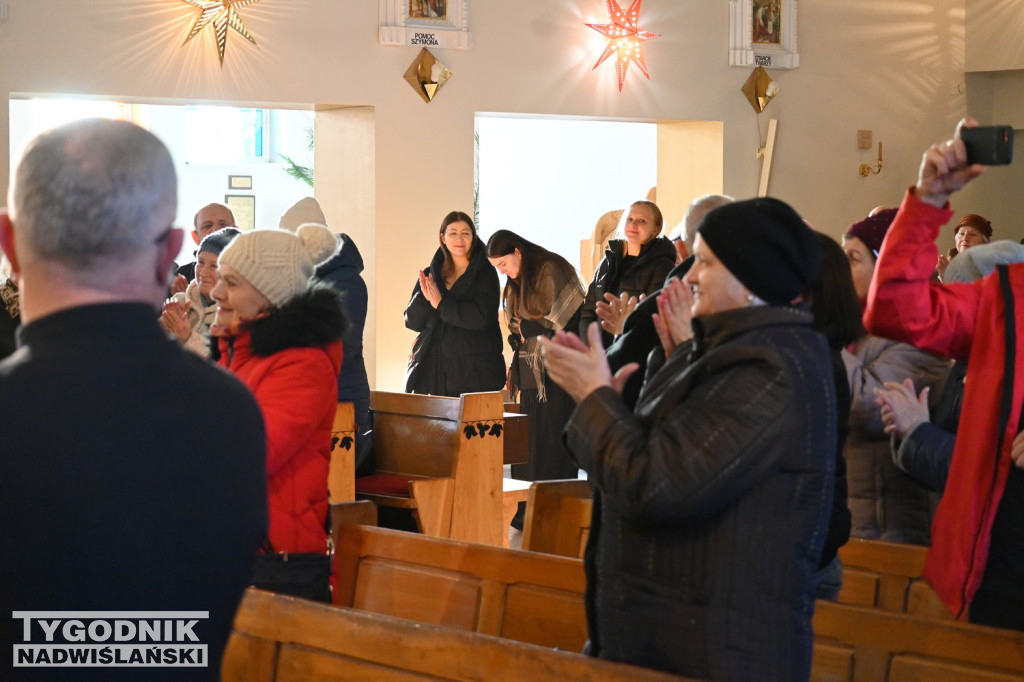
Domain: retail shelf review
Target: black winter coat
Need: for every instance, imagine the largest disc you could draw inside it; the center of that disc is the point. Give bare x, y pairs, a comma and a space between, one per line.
459, 347
711, 501
342, 272
643, 274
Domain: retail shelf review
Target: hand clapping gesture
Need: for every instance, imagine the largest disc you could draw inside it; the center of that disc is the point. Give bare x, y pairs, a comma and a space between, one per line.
174, 319
580, 369
902, 408
673, 319
429, 288
614, 310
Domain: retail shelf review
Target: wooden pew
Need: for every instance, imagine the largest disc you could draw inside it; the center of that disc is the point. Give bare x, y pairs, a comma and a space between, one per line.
342, 475
858, 644
887, 575
538, 598
528, 597
281, 639
558, 517
441, 458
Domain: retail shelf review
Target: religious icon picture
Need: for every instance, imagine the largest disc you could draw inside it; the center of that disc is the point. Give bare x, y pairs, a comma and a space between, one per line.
767, 22
428, 9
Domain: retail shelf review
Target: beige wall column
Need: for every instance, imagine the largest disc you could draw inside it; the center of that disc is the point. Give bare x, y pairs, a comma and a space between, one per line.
690, 164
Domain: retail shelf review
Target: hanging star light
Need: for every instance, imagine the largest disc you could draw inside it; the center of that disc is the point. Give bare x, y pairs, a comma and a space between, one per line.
624, 38
221, 14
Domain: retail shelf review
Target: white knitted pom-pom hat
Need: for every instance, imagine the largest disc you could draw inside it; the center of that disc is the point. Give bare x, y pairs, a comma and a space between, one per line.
280, 263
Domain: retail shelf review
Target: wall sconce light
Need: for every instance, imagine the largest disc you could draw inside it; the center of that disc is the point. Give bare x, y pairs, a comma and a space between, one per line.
760, 89
426, 75
865, 169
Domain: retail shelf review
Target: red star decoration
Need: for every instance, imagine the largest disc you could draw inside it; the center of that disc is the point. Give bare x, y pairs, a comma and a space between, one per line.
624, 38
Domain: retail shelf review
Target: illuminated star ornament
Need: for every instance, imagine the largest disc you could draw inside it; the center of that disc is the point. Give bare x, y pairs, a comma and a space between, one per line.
624, 38
221, 14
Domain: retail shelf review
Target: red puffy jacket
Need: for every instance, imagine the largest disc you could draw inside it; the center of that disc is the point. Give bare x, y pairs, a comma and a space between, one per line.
966, 322
290, 360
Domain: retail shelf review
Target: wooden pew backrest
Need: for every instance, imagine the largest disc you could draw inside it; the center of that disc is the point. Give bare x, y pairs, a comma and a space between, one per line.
558, 517
523, 596
341, 475
868, 644
887, 575
281, 639
448, 451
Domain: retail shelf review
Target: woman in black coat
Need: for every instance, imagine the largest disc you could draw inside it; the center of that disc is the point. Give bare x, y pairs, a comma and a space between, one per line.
636, 265
454, 307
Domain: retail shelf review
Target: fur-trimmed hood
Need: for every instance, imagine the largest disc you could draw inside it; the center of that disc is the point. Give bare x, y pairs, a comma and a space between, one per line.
314, 318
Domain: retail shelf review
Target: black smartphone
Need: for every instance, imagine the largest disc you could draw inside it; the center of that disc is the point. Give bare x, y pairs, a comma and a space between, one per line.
989, 145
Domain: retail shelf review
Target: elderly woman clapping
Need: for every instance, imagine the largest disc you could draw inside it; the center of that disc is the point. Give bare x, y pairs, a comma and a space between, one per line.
712, 496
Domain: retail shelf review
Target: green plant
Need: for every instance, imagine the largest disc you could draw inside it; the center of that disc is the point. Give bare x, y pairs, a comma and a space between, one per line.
301, 173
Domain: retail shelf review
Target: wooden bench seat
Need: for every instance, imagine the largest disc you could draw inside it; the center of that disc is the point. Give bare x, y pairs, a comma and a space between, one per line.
859, 644
887, 575
558, 517
281, 639
441, 458
538, 598
524, 596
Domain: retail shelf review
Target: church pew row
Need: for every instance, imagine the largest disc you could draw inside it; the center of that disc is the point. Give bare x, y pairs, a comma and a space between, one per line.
538, 599
877, 574
887, 575
282, 639
525, 596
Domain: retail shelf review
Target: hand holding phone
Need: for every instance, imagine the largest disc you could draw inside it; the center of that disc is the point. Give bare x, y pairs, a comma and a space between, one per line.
988, 145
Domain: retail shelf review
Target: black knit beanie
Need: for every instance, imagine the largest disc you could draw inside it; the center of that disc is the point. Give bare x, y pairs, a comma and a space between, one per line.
216, 241
765, 245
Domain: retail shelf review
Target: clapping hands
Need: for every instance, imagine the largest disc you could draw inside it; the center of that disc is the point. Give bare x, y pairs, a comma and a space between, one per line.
580, 369
902, 408
614, 310
430, 290
673, 321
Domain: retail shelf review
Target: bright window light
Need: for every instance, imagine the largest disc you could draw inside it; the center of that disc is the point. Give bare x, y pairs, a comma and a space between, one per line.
219, 134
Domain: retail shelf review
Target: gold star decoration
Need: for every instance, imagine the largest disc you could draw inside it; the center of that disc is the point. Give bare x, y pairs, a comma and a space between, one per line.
624, 38
221, 14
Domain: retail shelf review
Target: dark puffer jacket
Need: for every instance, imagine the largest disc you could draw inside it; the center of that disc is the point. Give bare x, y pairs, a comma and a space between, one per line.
642, 274
343, 273
459, 347
290, 361
712, 501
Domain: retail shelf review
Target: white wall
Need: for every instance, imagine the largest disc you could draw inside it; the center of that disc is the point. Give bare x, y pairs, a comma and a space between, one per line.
893, 67
549, 180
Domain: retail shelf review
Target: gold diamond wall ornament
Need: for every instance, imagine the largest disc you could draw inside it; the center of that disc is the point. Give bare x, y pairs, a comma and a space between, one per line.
760, 89
221, 14
426, 75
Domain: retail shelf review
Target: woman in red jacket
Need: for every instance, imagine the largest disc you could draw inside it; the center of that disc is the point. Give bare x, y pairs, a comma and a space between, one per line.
977, 555
282, 338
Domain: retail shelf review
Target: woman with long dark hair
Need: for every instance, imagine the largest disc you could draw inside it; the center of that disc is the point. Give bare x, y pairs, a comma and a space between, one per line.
542, 295
454, 307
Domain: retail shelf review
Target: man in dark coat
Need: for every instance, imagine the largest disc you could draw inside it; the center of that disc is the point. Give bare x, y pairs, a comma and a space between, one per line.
131, 471
712, 496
